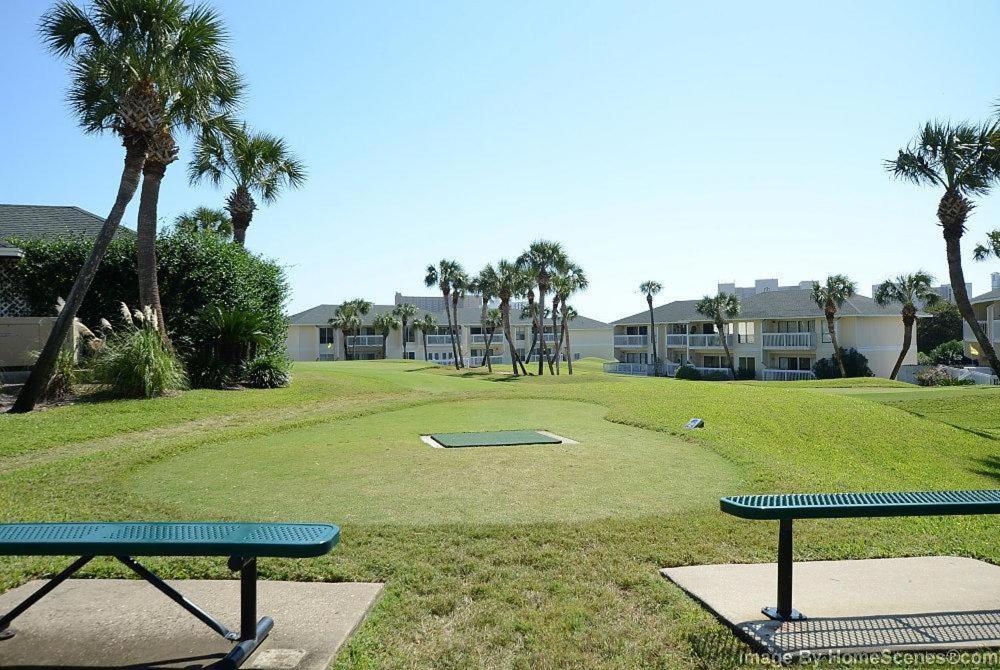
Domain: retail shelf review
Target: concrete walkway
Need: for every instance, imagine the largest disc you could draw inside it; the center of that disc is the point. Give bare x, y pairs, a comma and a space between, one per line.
897, 604
124, 623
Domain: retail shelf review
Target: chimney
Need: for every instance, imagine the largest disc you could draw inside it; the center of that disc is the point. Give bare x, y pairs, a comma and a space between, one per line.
398, 299
995, 279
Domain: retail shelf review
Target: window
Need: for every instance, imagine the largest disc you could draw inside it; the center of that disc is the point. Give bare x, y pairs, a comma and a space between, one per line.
636, 330
635, 358
412, 355
712, 361
748, 363
326, 335
794, 363
519, 336
576, 357
745, 332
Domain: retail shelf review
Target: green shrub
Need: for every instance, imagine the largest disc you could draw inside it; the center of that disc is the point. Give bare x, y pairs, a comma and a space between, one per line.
947, 353
687, 372
199, 273
715, 376
938, 376
268, 371
134, 363
744, 374
855, 364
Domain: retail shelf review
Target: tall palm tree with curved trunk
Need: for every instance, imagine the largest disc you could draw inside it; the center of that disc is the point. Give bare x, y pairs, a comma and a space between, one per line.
720, 309
509, 284
542, 259
443, 276
459, 286
650, 288
964, 160
128, 74
485, 284
908, 291
493, 320
569, 280
206, 220
423, 325
254, 162
830, 297
385, 323
405, 312
342, 323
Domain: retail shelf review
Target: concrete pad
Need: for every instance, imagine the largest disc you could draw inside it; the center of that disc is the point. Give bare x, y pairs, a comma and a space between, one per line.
431, 442
118, 623
896, 604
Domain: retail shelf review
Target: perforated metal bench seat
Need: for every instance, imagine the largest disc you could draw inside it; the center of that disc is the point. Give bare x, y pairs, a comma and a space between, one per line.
279, 540
241, 543
787, 507
847, 505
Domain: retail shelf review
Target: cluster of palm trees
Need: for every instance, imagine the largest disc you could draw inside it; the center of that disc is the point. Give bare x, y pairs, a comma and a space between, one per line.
543, 270
149, 71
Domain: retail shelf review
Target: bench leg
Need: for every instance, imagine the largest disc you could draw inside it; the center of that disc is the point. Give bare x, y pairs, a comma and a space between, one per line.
784, 610
252, 631
170, 592
6, 632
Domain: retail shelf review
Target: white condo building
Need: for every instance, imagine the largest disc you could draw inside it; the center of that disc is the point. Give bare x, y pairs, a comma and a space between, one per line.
311, 338
779, 334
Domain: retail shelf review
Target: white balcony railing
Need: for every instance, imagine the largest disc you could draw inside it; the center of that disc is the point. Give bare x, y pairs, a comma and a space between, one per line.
789, 340
631, 340
550, 337
438, 340
712, 340
477, 338
770, 375
706, 371
629, 368
677, 340
364, 341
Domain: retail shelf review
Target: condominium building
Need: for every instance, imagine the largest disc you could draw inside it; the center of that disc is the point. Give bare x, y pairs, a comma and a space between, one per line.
987, 309
779, 335
311, 338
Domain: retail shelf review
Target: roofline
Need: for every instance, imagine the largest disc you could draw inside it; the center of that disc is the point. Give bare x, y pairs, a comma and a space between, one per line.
797, 317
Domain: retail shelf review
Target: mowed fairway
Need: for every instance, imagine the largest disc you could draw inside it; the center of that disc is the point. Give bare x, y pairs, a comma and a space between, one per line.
540, 556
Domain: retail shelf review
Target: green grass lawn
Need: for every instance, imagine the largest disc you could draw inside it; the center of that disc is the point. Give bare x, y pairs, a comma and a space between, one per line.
510, 557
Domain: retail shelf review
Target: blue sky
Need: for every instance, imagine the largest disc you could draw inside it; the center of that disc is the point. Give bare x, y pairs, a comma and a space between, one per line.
690, 143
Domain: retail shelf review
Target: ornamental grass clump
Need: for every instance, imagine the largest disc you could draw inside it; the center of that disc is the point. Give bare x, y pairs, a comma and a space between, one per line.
134, 362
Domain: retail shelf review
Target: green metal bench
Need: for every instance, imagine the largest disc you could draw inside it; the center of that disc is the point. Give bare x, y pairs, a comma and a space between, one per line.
785, 508
242, 543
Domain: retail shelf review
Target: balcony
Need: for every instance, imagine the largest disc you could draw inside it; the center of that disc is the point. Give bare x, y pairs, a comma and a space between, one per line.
436, 340
644, 369
785, 375
985, 325
364, 341
708, 341
789, 340
635, 341
677, 340
712, 371
477, 338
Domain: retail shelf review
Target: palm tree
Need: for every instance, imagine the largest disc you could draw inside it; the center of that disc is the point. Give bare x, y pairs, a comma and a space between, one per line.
384, 323
721, 308
130, 74
907, 290
349, 317
830, 297
651, 288
542, 260
206, 219
964, 160
568, 281
443, 276
493, 320
405, 312
428, 322
459, 285
342, 323
509, 284
991, 247
536, 313
255, 163
485, 284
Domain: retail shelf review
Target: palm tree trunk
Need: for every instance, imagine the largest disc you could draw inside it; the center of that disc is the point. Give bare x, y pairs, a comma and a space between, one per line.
385, 348
404, 339
505, 312
41, 371
908, 320
451, 328
837, 353
241, 221
652, 333
565, 327
149, 288
343, 337
460, 361
423, 334
721, 327
953, 247
541, 329
555, 328
489, 350
534, 342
